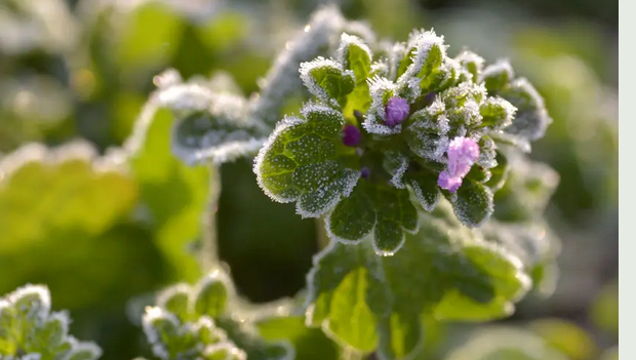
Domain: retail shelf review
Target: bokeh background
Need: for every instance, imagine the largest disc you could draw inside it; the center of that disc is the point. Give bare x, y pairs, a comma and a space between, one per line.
82, 69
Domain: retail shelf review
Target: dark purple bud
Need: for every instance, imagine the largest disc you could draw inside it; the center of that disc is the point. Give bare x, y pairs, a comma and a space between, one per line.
397, 109
365, 172
351, 135
429, 98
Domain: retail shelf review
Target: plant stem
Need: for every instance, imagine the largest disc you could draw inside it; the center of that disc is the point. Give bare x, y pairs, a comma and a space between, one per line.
321, 234
208, 253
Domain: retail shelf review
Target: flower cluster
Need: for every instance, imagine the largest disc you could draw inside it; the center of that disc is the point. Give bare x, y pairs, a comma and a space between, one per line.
391, 120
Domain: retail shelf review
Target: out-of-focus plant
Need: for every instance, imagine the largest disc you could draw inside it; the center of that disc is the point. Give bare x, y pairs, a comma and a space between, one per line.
30, 330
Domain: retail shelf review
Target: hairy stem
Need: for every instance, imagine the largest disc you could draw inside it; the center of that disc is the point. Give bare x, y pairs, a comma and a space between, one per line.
321, 234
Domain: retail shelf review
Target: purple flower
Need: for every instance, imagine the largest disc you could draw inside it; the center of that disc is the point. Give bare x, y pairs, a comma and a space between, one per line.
445, 181
351, 135
365, 172
462, 153
397, 109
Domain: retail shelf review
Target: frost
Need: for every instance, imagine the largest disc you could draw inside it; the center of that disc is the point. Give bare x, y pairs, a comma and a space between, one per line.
211, 126
327, 80
32, 300
282, 78
385, 212
497, 75
396, 164
428, 52
427, 134
299, 161
532, 119
473, 204
29, 330
211, 327
381, 89
472, 62
346, 41
497, 113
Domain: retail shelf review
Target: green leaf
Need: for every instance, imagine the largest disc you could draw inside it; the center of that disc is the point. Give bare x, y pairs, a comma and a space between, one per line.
531, 119
472, 63
396, 164
327, 80
211, 296
566, 337
356, 56
210, 327
499, 173
175, 299
176, 194
425, 189
300, 162
533, 243
254, 346
457, 275
505, 343
426, 54
496, 113
203, 137
496, 76
28, 328
527, 190
472, 203
384, 212
58, 189
310, 343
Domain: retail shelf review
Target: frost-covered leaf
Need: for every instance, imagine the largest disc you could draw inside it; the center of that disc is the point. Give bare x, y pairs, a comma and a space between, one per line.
211, 296
472, 62
309, 343
496, 76
28, 328
356, 56
208, 327
424, 55
218, 134
381, 90
473, 203
425, 188
383, 212
212, 125
282, 79
527, 190
426, 135
531, 119
496, 113
396, 164
175, 194
536, 246
72, 199
506, 343
499, 173
327, 80
368, 301
175, 299
300, 161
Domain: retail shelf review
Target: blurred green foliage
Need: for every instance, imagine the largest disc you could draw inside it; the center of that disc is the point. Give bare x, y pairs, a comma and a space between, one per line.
98, 238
